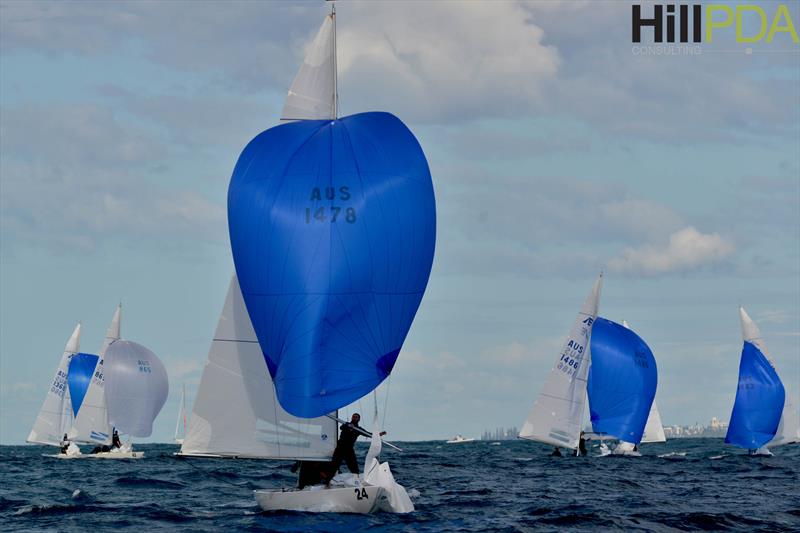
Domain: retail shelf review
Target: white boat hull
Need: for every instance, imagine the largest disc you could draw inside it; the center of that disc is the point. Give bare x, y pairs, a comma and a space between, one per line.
102, 455
459, 441
320, 499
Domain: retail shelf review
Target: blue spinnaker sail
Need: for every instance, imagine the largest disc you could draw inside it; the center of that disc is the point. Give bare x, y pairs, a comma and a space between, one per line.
759, 401
79, 376
332, 226
622, 381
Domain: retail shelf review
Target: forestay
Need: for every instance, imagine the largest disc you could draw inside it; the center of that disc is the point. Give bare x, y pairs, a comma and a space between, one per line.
54, 418
235, 413
558, 411
312, 95
91, 424
332, 227
760, 395
136, 387
622, 381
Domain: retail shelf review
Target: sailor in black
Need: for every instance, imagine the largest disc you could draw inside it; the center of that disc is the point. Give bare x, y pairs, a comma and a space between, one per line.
345, 451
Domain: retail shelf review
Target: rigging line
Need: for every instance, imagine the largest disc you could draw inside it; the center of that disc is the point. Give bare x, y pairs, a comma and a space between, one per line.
386, 401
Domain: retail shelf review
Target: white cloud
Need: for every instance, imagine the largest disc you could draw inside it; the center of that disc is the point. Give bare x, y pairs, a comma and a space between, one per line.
443, 61
687, 249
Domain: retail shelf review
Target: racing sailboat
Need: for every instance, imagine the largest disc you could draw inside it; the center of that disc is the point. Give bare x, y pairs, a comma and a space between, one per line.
763, 415
559, 409
312, 322
621, 386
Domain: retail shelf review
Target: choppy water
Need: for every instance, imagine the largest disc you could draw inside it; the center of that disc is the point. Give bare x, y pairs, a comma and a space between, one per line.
697, 484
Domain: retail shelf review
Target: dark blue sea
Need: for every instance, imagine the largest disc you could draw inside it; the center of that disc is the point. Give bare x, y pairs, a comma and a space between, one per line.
682, 485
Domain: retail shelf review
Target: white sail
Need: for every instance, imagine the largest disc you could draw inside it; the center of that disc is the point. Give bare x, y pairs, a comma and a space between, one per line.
91, 424
180, 424
312, 95
55, 416
236, 412
136, 387
789, 427
653, 429
558, 411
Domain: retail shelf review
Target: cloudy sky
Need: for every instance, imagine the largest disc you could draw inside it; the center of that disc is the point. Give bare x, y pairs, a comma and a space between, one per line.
556, 150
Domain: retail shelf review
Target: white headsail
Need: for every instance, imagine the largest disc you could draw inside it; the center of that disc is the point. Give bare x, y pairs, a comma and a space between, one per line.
789, 426
91, 424
654, 430
312, 95
55, 416
558, 411
236, 412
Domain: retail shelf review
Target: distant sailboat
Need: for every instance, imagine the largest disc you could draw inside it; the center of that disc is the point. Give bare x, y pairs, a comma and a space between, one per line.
558, 411
459, 439
763, 415
622, 384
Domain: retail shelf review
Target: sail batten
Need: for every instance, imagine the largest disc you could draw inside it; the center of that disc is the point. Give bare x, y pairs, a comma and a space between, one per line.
558, 412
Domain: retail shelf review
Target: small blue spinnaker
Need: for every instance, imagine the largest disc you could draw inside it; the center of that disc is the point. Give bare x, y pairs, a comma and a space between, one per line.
79, 376
759, 402
332, 226
622, 381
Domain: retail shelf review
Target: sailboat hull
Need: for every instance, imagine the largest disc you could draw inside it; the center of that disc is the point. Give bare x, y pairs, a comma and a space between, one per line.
320, 499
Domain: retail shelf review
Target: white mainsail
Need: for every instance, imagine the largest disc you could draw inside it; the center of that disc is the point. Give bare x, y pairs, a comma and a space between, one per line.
789, 427
558, 411
312, 95
236, 412
55, 416
91, 424
180, 424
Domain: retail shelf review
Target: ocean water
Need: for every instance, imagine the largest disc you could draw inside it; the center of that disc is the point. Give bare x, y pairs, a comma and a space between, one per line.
688, 484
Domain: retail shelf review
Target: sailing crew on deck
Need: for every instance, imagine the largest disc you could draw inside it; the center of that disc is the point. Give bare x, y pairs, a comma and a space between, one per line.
115, 443
582, 445
65, 444
344, 446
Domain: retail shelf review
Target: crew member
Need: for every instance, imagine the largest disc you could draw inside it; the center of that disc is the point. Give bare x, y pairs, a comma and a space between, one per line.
344, 447
65, 444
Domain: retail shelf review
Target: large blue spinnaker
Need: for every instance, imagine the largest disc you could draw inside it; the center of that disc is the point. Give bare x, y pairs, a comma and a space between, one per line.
759, 402
332, 226
622, 381
79, 376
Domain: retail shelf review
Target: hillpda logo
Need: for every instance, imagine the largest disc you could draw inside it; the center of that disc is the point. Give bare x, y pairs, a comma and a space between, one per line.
684, 23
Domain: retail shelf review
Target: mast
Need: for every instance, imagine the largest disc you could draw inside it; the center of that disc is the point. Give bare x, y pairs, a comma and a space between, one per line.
335, 66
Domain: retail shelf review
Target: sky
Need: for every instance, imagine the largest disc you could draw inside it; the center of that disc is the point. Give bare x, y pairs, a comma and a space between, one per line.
557, 149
